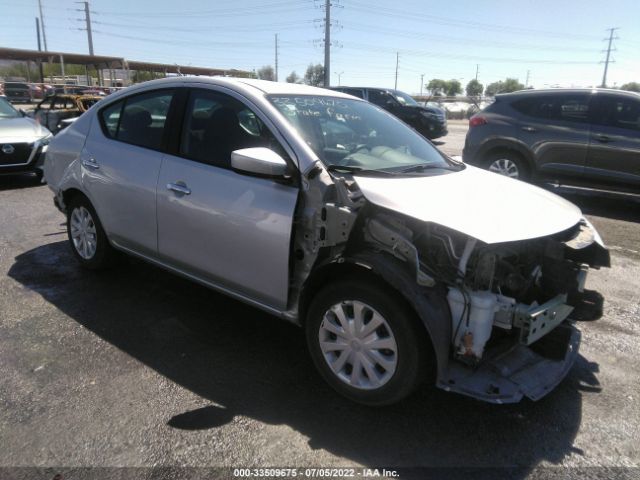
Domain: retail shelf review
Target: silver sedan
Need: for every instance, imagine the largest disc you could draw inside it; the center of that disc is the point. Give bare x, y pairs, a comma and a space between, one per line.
401, 264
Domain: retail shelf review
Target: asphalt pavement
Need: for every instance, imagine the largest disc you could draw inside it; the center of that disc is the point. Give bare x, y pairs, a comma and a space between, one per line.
136, 367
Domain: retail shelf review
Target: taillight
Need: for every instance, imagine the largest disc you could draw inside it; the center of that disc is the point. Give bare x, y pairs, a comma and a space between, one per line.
477, 120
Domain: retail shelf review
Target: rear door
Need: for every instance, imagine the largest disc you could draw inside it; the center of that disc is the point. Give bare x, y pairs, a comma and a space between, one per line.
121, 163
555, 127
229, 229
614, 151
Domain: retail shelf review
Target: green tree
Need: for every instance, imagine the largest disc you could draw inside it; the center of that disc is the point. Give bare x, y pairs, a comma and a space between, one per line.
314, 75
452, 88
266, 73
509, 85
144, 76
293, 78
436, 86
474, 89
631, 86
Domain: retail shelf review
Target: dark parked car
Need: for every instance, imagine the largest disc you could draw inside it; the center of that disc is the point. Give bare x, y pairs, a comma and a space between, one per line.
582, 137
429, 121
18, 92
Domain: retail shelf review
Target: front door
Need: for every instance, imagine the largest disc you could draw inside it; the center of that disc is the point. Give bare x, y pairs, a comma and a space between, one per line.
614, 151
227, 228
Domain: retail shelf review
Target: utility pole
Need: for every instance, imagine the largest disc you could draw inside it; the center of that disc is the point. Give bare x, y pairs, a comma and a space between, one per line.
606, 62
44, 36
421, 82
327, 43
477, 68
397, 61
87, 18
276, 57
39, 49
526, 83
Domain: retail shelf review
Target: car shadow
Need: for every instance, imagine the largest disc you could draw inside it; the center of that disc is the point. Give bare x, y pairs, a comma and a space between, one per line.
24, 180
249, 363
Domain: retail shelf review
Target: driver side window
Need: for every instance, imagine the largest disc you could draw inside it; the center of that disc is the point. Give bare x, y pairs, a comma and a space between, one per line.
216, 124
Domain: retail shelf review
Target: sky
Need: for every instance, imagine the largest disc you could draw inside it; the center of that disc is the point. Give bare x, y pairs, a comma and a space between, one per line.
554, 42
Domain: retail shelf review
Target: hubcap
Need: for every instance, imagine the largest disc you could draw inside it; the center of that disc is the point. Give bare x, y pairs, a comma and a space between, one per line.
358, 345
83, 233
505, 167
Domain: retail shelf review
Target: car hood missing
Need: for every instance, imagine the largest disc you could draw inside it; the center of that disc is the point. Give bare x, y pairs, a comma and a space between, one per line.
481, 204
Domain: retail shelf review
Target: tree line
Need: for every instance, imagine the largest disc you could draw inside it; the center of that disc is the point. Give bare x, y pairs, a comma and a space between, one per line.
474, 89
313, 76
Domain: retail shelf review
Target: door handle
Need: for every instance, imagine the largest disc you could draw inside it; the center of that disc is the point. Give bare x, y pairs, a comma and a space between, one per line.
179, 188
90, 163
602, 138
529, 129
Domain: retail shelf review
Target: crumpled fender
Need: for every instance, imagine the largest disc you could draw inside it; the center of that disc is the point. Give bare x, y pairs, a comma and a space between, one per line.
430, 304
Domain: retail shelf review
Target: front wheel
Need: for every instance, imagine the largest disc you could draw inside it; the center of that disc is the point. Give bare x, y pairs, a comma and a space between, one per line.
366, 343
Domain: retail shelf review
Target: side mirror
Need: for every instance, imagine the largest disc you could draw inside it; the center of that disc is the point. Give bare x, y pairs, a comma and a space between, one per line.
259, 161
22, 112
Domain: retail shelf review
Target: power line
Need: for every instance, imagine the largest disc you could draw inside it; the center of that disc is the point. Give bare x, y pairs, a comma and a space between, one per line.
378, 30
421, 17
265, 8
457, 56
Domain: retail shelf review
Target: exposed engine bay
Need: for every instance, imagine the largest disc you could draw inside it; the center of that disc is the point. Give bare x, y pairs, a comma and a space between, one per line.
503, 298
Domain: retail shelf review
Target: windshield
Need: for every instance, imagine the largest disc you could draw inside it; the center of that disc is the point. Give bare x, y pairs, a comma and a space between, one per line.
7, 110
403, 98
357, 135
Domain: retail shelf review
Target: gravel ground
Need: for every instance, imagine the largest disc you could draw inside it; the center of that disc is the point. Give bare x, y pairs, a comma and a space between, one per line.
136, 367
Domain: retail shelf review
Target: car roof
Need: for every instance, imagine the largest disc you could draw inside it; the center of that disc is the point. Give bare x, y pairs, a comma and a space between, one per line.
560, 91
264, 87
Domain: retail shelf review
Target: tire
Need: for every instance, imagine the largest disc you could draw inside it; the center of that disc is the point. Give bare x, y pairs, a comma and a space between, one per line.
408, 348
39, 175
87, 238
508, 163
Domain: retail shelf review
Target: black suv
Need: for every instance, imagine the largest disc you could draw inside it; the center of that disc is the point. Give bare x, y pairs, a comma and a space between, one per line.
574, 136
428, 121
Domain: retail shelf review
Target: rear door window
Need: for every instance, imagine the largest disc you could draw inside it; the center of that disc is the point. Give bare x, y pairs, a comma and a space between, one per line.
567, 107
139, 119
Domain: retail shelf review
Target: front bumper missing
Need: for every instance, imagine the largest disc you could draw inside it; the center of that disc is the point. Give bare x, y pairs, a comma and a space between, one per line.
519, 371
536, 321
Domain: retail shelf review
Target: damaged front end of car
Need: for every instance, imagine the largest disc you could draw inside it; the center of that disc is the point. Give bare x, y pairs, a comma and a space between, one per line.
497, 313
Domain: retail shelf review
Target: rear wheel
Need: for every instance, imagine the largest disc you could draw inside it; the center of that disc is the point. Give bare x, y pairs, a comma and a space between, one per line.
508, 163
366, 343
87, 238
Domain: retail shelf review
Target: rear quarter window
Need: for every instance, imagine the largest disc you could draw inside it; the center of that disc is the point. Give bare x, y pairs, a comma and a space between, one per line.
110, 117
